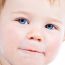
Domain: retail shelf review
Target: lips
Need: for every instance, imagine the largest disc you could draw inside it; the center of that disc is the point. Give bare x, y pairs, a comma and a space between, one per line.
35, 51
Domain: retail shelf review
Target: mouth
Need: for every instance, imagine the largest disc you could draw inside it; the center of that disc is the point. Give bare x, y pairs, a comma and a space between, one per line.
33, 51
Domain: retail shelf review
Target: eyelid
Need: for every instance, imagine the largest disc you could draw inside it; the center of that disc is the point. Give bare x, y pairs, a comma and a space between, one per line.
16, 19
22, 14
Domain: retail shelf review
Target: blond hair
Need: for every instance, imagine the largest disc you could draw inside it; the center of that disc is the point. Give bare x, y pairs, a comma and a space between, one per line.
1, 3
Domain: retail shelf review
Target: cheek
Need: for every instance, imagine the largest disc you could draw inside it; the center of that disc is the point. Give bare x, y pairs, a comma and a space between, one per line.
10, 39
52, 47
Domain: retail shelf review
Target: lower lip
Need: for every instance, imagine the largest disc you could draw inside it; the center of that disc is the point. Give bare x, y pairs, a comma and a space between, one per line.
32, 51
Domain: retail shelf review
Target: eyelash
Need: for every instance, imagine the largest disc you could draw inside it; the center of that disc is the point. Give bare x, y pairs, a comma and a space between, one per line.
21, 21
55, 27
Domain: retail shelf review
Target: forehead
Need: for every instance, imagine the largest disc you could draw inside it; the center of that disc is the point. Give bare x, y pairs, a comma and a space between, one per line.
36, 4
48, 2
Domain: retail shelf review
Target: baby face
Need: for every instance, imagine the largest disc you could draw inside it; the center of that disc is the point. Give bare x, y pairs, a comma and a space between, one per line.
30, 32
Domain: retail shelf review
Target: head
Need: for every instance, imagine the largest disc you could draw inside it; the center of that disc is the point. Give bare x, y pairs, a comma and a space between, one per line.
31, 31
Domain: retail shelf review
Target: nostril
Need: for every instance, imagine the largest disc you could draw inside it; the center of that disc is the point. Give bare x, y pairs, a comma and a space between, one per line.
31, 38
39, 39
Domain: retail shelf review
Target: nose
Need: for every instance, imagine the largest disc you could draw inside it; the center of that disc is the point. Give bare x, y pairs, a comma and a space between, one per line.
35, 36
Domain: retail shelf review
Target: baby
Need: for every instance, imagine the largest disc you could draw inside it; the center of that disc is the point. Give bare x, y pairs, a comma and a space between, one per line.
31, 31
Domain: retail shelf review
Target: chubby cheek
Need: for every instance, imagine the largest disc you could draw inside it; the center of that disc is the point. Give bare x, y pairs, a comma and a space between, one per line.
11, 39
52, 48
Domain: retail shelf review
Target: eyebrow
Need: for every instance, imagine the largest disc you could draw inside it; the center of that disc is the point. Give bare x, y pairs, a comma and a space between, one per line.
22, 12
55, 20
28, 14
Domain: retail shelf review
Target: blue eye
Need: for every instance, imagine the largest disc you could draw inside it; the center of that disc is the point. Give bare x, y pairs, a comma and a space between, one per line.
50, 26
22, 20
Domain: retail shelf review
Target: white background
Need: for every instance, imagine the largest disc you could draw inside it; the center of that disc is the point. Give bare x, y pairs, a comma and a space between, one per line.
60, 58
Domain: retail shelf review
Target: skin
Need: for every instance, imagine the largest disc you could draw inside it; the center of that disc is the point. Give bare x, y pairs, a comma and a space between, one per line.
16, 36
